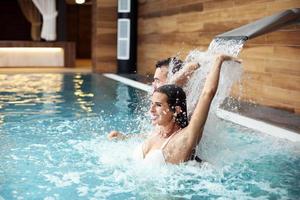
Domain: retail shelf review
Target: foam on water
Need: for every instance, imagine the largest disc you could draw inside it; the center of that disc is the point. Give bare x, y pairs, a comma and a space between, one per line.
183, 181
94, 167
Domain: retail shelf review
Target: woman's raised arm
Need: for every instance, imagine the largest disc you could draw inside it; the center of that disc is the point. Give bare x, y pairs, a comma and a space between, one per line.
196, 125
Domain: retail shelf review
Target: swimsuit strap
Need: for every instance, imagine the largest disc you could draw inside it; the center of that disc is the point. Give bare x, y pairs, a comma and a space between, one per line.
167, 141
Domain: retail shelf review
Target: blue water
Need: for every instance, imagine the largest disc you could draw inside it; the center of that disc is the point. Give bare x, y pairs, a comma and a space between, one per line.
53, 146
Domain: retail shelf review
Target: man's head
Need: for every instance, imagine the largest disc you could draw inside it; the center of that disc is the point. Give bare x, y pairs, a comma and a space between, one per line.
162, 69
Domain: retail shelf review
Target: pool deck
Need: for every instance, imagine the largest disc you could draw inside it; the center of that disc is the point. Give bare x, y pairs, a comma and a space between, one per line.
276, 117
278, 123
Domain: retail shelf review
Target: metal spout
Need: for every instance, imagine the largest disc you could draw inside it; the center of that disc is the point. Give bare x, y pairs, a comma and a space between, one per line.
264, 25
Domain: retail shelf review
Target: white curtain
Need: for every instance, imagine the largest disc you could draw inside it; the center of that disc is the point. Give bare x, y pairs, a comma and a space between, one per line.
48, 10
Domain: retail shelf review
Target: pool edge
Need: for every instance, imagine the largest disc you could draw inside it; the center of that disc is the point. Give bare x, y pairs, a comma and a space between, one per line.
226, 115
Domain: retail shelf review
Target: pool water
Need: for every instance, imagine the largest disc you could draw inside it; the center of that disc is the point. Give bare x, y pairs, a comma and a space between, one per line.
53, 145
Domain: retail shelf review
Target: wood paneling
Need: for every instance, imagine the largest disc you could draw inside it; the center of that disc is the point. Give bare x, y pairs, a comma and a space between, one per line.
104, 36
271, 62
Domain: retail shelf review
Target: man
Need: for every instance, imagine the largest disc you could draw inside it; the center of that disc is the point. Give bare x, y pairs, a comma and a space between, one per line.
180, 72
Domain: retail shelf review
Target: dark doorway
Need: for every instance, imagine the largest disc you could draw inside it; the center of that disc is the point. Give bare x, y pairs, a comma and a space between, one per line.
79, 28
14, 25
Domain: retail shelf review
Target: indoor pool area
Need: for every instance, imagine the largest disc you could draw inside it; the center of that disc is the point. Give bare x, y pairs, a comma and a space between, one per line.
149, 100
53, 145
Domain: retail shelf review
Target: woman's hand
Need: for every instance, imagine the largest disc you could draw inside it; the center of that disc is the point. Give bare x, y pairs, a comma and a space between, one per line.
115, 135
223, 57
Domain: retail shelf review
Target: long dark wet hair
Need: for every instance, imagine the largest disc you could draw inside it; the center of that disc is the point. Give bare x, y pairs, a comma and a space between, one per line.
176, 97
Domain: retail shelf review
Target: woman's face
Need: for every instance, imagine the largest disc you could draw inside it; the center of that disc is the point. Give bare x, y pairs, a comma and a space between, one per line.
159, 110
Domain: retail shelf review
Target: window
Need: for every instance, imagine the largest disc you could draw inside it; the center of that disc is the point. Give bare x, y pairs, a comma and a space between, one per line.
124, 6
123, 39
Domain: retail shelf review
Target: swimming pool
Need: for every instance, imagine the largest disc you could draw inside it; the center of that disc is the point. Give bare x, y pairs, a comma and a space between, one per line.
53, 146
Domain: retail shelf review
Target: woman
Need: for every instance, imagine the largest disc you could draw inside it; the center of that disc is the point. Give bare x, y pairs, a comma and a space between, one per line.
175, 139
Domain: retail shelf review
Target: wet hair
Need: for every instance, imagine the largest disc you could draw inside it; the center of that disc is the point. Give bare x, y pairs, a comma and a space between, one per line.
176, 97
177, 63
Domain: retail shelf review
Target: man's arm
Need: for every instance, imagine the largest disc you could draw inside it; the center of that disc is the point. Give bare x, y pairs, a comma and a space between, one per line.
181, 77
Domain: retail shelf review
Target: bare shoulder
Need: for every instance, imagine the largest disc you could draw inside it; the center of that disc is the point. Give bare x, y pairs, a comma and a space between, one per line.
184, 136
178, 150
180, 140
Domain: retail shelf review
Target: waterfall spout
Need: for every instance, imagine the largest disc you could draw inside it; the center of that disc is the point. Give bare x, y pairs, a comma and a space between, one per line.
264, 25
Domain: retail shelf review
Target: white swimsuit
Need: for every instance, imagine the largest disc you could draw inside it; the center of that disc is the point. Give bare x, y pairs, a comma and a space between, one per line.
154, 157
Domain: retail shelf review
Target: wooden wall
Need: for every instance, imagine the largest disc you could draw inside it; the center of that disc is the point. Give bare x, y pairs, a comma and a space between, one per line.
271, 62
79, 28
104, 35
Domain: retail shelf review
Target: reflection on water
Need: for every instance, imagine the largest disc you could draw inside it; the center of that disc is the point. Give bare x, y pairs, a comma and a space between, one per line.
80, 95
51, 94
33, 83
29, 94
29, 90
47, 95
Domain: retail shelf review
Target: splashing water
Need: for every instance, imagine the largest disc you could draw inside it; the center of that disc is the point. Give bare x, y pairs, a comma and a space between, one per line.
230, 47
230, 72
